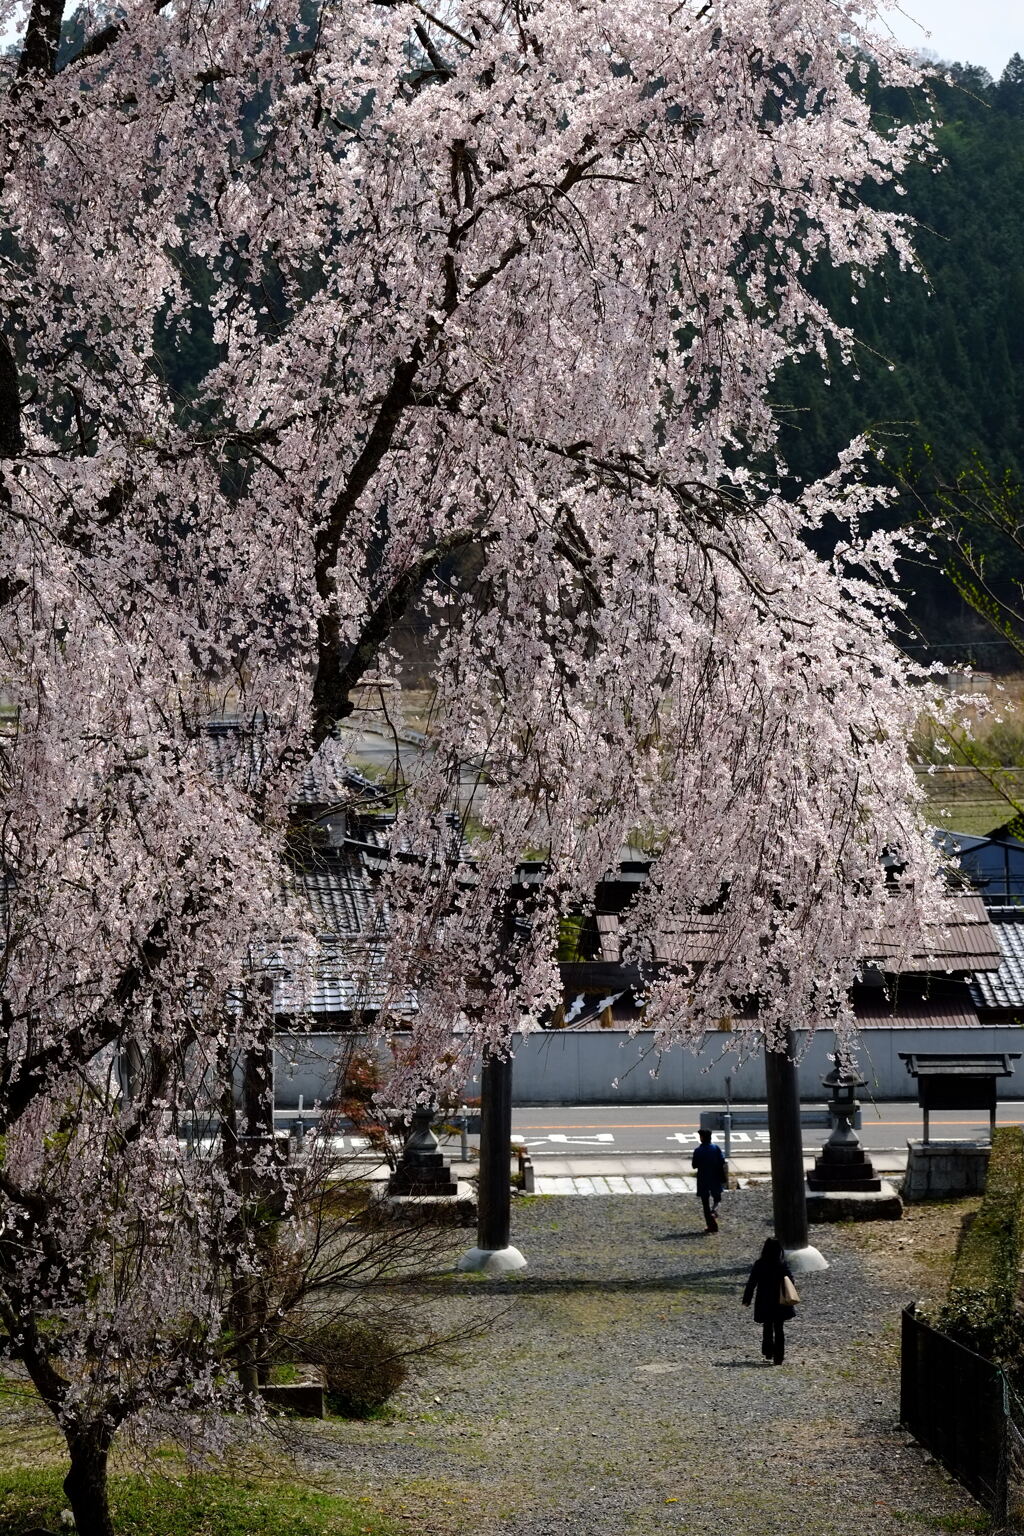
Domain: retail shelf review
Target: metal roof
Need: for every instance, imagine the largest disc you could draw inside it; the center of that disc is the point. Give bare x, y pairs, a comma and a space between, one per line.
955, 843
916, 1013
965, 942
675, 941
1004, 988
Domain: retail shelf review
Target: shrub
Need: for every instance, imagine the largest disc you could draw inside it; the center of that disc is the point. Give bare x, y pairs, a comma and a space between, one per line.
362, 1364
981, 1308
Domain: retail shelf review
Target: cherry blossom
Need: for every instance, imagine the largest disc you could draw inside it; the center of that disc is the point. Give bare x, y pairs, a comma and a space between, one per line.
496, 289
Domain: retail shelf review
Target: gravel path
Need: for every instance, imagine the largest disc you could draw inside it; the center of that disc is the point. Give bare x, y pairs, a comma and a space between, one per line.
620, 1392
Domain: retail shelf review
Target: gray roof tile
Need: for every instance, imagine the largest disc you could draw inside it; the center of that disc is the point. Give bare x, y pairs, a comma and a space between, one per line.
1004, 988
242, 753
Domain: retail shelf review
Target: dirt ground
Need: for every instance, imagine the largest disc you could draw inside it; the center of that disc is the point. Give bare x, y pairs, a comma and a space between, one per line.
620, 1391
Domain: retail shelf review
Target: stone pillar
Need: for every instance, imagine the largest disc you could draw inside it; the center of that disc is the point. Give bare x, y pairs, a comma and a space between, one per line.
789, 1202
493, 1254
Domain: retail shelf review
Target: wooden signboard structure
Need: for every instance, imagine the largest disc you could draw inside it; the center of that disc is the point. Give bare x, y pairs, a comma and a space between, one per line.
960, 1080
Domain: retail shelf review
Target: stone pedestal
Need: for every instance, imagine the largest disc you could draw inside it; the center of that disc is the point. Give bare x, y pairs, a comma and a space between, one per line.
843, 1185
941, 1170
843, 1167
880, 1204
843, 1163
422, 1169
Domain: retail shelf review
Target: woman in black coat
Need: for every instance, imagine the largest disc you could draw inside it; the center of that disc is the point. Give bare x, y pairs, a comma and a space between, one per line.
764, 1286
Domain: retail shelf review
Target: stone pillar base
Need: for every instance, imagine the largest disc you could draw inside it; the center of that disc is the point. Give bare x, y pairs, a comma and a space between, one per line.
805, 1261
491, 1261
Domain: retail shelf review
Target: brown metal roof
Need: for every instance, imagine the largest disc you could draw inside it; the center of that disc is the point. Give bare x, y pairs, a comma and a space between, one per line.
965, 942
676, 941
917, 1013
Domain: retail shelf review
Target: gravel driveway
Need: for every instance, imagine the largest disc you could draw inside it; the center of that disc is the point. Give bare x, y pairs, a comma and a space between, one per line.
621, 1392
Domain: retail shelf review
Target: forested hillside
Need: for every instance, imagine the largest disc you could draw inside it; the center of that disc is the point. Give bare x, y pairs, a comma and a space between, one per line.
940, 372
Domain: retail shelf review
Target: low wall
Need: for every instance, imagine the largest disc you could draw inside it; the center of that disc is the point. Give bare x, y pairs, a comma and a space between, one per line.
561, 1067
945, 1170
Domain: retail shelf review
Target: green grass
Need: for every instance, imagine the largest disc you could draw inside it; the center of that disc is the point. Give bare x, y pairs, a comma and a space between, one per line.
981, 1307
972, 1520
195, 1506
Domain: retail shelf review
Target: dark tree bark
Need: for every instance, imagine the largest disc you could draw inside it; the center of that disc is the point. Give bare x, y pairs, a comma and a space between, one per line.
86, 1482
495, 1208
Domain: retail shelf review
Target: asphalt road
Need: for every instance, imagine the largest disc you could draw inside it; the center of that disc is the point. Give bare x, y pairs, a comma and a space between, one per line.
605, 1130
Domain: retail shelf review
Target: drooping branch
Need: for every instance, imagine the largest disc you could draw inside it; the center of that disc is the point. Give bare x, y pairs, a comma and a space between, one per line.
23, 1081
11, 442
105, 38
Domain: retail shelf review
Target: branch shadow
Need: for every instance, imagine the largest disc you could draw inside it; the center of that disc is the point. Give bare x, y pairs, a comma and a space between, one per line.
683, 1237
710, 1282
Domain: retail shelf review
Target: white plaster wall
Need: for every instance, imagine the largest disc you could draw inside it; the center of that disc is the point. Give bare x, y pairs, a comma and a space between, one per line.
566, 1068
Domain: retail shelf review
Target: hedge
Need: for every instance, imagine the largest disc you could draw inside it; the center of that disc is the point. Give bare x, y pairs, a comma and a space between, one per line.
981, 1309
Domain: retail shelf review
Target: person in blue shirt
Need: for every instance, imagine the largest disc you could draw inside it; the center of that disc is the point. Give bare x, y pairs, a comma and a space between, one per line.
709, 1161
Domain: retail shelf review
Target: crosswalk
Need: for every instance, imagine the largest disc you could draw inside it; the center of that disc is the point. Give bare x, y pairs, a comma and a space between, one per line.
615, 1184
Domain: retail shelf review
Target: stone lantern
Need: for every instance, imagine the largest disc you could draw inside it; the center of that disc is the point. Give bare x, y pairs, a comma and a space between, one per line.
843, 1164
422, 1170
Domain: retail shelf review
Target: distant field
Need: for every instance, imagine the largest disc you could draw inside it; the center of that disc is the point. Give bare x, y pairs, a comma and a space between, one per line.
969, 805
960, 796
962, 774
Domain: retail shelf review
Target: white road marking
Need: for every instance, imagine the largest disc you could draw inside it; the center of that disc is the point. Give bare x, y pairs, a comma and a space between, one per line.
615, 1184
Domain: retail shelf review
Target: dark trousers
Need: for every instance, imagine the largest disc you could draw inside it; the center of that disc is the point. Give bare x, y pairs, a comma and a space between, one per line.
773, 1340
707, 1200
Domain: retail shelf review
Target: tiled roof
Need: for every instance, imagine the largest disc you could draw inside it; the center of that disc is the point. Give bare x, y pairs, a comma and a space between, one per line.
339, 895
344, 978
1004, 988
241, 752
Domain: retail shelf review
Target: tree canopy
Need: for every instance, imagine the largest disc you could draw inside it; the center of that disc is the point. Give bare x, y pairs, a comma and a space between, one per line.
516, 278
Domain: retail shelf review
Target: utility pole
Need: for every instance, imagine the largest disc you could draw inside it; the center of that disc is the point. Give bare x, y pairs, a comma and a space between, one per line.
789, 1202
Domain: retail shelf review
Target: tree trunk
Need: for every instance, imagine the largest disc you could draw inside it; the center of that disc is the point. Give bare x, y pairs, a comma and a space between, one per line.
86, 1482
